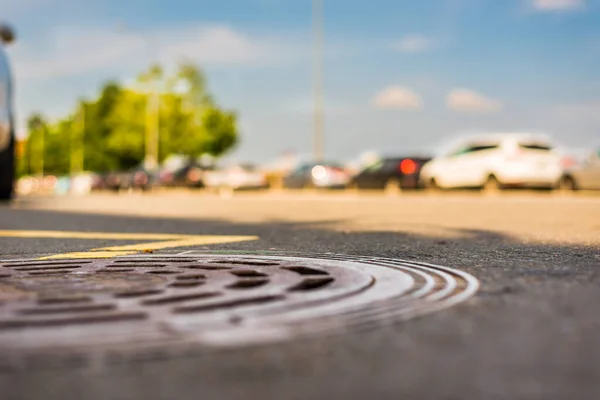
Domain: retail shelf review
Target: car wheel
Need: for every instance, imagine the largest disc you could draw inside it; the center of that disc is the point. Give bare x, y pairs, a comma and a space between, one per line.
225, 191
309, 184
566, 184
392, 186
492, 185
431, 185
7, 175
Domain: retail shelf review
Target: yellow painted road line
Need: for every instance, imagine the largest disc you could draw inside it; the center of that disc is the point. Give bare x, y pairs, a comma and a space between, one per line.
162, 241
88, 254
90, 235
188, 242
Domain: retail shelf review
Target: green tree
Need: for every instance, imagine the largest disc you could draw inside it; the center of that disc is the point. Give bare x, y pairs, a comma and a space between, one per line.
193, 79
220, 131
98, 129
116, 122
57, 148
125, 142
34, 153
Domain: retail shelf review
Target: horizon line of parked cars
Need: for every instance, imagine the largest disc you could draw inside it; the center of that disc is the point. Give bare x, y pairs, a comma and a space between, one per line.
491, 161
487, 161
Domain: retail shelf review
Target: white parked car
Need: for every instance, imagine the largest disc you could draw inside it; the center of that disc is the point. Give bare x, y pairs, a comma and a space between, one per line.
583, 175
236, 177
496, 160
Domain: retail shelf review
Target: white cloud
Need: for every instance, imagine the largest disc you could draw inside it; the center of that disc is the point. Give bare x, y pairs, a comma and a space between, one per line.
469, 101
72, 54
414, 44
79, 51
557, 5
219, 45
397, 97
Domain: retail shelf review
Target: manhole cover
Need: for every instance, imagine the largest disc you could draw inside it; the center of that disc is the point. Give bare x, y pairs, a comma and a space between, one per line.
120, 305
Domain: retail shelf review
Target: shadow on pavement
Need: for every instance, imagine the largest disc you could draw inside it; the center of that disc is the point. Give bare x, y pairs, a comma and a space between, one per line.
530, 333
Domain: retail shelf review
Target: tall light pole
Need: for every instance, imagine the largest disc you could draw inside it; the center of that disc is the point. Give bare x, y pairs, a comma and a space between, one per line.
42, 150
77, 142
39, 148
152, 132
318, 73
152, 129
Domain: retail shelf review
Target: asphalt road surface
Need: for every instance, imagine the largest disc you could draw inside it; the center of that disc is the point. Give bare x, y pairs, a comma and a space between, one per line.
531, 332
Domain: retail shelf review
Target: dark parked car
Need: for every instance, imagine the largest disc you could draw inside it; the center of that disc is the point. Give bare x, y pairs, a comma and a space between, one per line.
391, 173
136, 178
139, 178
190, 174
7, 131
113, 180
326, 175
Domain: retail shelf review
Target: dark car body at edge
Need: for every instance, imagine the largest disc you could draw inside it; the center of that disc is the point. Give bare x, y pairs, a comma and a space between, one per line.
391, 172
7, 130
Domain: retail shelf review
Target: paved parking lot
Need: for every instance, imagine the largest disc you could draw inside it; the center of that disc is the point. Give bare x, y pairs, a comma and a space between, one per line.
531, 332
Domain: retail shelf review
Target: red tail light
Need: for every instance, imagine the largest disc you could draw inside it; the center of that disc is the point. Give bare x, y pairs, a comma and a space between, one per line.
408, 167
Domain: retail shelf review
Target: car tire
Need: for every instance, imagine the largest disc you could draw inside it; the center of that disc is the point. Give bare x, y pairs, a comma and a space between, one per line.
492, 185
353, 186
567, 184
7, 173
225, 191
431, 185
392, 186
309, 185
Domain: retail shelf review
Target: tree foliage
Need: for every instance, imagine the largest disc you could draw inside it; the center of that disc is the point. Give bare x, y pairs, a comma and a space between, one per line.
115, 124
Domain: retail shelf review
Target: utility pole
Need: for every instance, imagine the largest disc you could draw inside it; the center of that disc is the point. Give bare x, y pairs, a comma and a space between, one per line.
42, 149
77, 135
36, 149
152, 133
29, 154
152, 129
318, 113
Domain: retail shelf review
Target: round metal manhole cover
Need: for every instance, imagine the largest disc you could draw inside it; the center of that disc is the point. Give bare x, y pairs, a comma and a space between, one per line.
210, 300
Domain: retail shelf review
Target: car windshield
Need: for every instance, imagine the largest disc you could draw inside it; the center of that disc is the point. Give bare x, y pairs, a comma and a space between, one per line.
535, 146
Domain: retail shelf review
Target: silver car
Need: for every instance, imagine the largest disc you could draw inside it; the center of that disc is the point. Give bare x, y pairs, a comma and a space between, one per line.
7, 131
584, 175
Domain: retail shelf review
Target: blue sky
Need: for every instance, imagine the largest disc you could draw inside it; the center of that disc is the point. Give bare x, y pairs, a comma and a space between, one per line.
401, 75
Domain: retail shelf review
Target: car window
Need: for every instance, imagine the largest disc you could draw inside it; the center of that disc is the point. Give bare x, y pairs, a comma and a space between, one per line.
248, 167
483, 147
333, 165
390, 165
473, 149
535, 146
302, 170
374, 167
